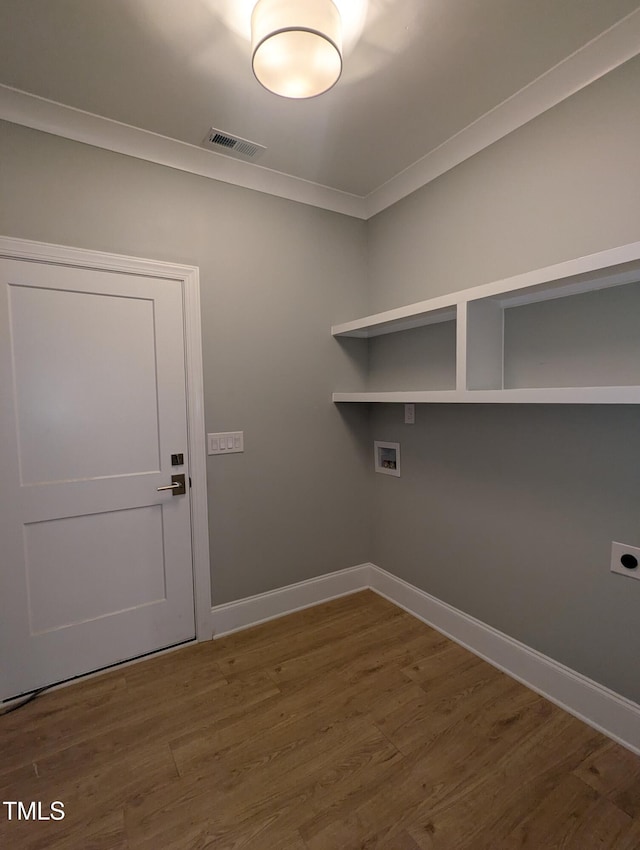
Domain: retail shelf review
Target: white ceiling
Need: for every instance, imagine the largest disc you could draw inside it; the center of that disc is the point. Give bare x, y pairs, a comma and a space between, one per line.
416, 73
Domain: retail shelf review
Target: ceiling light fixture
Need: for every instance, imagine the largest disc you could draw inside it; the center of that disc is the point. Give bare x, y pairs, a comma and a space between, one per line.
296, 46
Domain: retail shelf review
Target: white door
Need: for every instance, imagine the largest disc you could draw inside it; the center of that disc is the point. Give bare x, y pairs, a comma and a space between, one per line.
95, 560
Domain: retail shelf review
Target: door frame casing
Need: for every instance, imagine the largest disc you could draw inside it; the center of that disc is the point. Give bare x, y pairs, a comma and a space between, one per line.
188, 276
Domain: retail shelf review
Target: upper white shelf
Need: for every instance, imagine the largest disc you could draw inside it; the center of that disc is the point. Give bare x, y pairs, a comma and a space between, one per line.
401, 319
614, 267
479, 314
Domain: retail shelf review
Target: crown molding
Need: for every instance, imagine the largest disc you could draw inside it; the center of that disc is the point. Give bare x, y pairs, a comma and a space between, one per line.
39, 113
607, 51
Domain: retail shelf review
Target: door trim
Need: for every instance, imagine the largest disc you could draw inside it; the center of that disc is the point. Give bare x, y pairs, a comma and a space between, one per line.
26, 249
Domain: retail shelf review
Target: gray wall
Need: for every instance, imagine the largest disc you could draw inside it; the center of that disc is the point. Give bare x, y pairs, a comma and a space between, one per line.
508, 512
274, 276
562, 186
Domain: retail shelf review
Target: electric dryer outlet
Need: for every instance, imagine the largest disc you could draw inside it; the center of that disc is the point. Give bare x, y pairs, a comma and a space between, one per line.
625, 560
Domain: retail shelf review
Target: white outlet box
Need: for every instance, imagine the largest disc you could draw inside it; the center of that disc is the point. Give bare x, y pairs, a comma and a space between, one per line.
409, 414
620, 553
225, 443
387, 458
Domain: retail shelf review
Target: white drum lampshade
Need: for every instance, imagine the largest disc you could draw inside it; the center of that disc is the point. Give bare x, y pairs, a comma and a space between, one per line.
296, 46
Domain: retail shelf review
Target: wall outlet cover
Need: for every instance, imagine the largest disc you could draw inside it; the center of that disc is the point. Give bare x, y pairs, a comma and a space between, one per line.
625, 560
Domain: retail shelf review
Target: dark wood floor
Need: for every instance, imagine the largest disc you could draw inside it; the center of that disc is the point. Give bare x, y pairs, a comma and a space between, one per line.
350, 725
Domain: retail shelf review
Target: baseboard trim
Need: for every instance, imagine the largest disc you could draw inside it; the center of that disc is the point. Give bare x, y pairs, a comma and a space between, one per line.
244, 613
604, 710
613, 715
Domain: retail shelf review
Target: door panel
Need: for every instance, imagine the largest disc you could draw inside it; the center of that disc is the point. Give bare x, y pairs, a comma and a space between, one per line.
97, 563
113, 562
68, 406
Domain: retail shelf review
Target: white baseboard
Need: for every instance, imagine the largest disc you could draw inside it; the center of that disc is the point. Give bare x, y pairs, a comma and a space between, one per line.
606, 711
234, 616
616, 717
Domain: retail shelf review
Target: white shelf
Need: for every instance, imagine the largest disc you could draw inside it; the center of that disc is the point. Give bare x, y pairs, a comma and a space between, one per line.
479, 317
429, 312
547, 395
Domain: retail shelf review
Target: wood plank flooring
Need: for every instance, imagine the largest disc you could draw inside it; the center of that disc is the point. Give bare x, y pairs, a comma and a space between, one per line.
347, 726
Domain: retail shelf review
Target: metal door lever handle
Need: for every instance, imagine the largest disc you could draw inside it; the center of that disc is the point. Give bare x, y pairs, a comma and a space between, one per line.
178, 485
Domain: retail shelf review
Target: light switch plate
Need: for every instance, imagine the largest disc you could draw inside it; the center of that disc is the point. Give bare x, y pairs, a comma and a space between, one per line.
225, 443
